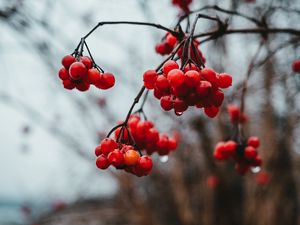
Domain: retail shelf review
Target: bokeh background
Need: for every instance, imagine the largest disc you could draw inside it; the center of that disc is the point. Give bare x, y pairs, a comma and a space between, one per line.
48, 134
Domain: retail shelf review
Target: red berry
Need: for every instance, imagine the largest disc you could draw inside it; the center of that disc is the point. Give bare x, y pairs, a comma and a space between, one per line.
86, 61
132, 122
150, 76
102, 162
152, 136
250, 152
94, 76
254, 142
230, 147
116, 158
160, 48
172, 143
162, 83
296, 66
211, 111
68, 84
217, 98
145, 164
171, 40
192, 78
77, 71
176, 77
108, 145
166, 102
203, 88
209, 75
83, 86
234, 113
107, 80
168, 66
224, 80
180, 106
63, 74
67, 61
142, 127
98, 150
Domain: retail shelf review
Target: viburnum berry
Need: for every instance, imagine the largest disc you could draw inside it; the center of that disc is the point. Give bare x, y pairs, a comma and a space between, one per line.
87, 61
116, 158
94, 76
176, 77
107, 80
108, 145
131, 157
77, 71
168, 66
145, 164
243, 154
211, 111
68, 84
250, 152
67, 61
171, 40
235, 114
63, 74
224, 80
102, 162
296, 66
192, 78
149, 78
167, 44
254, 142
81, 72
82, 86
166, 102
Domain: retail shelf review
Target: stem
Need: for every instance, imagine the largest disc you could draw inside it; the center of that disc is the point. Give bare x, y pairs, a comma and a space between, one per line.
158, 26
217, 33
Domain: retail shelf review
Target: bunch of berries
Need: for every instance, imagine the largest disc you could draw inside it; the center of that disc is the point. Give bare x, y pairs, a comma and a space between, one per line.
122, 156
167, 44
146, 136
235, 114
245, 154
81, 72
182, 4
180, 88
296, 66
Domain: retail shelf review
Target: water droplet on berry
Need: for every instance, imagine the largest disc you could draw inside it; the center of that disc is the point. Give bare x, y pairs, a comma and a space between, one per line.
164, 158
178, 113
256, 169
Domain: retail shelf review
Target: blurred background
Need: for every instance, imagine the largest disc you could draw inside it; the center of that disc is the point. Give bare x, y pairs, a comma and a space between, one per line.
48, 134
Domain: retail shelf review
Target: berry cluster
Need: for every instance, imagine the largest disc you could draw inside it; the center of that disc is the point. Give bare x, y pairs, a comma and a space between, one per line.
167, 44
296, 66
180, 88
245, 154
235, 114
81, 72
122, 156
182, 4
146, 136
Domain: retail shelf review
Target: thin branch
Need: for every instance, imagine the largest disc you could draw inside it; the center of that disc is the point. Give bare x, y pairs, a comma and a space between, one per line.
158, 26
